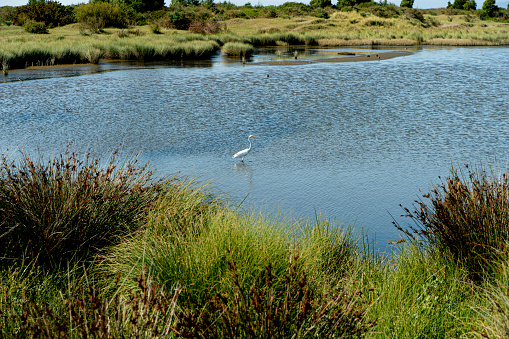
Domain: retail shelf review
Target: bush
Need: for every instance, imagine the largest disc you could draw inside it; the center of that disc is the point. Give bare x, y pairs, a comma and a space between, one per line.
51, 13
208, 27
35, 27
180, 20
412, 13
155, 28
96, 16
466, 218
407, 3
320, 3
67, 208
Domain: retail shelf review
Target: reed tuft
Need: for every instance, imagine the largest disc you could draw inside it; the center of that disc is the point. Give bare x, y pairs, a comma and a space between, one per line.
465, 217
68, 208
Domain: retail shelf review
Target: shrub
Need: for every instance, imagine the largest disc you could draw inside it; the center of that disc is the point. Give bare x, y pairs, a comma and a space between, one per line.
96, 16
412, 13
67, 208
320, 3
51, 13
35, 27
180, 20
466, 218
407, 3
155, 28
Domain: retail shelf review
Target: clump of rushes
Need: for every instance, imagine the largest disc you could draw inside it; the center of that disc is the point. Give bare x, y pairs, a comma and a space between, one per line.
69, 208
265, 311
84, 310
465, 217
237, 49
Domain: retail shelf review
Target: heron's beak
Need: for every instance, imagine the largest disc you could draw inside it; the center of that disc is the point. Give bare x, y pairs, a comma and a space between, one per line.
254, 136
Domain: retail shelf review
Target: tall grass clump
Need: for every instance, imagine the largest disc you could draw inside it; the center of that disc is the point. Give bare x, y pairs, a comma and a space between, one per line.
416, 294
35, 304
234, 262
262, 310
237, 49
69, 207
465, 217
492, 304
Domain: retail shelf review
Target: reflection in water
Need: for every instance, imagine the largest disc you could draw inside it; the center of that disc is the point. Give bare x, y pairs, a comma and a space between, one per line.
244, 171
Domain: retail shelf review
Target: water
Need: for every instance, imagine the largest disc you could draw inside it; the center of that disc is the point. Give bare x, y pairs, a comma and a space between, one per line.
350, 141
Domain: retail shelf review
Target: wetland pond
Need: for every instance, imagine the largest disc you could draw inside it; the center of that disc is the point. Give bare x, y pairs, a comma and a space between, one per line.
349, 141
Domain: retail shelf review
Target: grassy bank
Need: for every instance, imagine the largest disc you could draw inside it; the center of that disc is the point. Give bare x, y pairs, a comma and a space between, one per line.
97, 247
71, 44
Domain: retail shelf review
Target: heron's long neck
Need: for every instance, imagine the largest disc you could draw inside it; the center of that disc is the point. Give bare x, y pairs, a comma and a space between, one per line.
249, 139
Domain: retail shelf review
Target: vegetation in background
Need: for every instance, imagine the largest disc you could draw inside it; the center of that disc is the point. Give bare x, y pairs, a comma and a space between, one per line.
199, 30
51, 13
99, 15
407, 3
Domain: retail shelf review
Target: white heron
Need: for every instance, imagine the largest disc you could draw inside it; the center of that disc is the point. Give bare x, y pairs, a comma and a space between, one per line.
244, 152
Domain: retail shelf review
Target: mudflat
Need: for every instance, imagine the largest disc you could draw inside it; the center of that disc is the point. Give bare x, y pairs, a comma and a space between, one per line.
376, 56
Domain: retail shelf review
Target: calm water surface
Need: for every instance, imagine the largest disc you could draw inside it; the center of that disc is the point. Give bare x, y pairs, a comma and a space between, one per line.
350, 141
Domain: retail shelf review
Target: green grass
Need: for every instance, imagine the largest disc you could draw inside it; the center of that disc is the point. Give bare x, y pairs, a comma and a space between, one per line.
179, 259
237, 49
70, 44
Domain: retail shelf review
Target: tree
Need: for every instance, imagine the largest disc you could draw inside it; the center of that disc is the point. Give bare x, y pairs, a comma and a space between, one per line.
407, 3
470, 5
489, 9
345, 3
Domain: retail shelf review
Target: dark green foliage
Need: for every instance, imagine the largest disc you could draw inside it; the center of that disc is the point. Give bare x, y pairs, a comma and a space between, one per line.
463, 4
98, 15
35, 27
470, 5
180, 19
351, 3
51, 13
184, 3
275, 307
293, 9
489, 9
67, 209
386, 11
465, 218
407, 3
142, 6
320, 3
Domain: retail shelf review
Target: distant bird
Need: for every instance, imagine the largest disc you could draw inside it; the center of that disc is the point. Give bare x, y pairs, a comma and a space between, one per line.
244, 152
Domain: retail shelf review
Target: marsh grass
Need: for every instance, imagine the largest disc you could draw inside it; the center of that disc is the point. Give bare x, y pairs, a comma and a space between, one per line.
262, 310
34, 304
193, 265
492, 304
237, 49
416, 294
465, 217
68, 208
